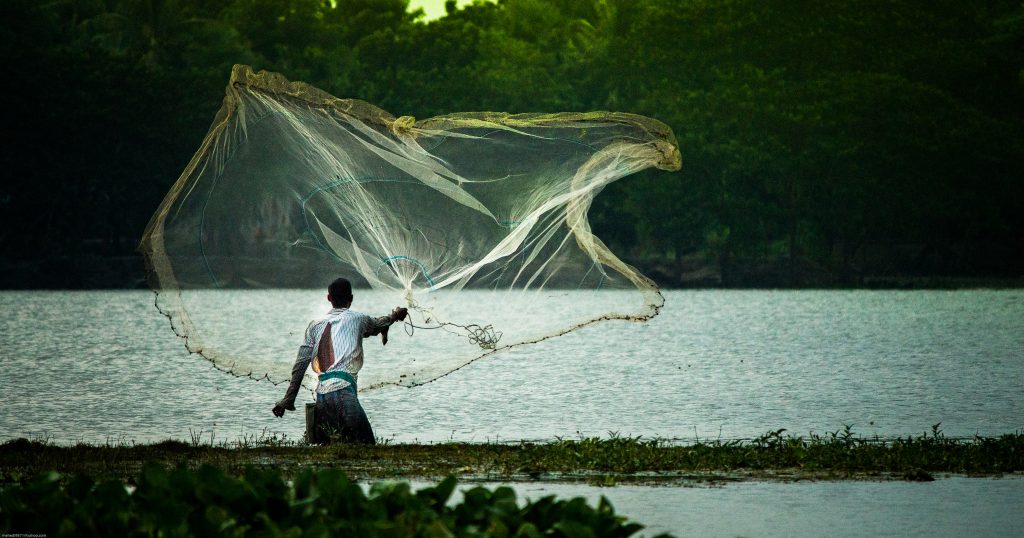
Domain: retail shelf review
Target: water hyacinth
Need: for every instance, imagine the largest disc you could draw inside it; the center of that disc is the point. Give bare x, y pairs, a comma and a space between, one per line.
260, 502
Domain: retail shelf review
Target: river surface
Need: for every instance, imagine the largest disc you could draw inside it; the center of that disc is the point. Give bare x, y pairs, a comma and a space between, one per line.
104, 366
950, 506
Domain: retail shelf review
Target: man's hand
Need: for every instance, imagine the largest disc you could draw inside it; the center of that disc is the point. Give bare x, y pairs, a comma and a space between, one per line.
280, 409
399, 313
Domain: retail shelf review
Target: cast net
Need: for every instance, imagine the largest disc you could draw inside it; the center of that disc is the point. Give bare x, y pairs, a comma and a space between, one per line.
476, 221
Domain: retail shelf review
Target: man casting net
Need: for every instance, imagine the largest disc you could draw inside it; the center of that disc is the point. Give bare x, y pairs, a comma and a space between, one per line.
477, 222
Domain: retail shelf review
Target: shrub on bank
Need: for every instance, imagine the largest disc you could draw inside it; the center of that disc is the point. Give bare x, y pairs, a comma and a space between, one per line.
210, 502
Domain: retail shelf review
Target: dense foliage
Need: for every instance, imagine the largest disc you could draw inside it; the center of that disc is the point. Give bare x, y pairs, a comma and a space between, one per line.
209, 502
834, 137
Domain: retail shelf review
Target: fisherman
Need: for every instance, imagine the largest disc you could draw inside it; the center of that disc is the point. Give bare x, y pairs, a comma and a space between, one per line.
334, 346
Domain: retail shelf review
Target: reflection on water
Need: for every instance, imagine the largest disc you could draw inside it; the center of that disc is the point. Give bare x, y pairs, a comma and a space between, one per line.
105, 365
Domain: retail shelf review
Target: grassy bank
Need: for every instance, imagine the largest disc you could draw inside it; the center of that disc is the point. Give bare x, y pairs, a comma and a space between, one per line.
840, 454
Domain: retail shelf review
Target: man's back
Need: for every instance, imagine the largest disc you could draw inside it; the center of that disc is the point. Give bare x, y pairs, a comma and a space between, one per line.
338, 339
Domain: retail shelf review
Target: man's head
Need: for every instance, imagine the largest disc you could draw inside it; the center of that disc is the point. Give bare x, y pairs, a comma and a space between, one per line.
339, 293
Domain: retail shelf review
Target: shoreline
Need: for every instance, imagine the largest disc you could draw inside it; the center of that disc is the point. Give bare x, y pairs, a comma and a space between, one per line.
595, 461
99, 273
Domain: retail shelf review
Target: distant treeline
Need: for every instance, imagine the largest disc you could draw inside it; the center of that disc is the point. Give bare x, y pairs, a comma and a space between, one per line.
822, 141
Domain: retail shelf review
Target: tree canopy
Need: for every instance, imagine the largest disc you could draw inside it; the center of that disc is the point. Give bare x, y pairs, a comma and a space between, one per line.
822, 141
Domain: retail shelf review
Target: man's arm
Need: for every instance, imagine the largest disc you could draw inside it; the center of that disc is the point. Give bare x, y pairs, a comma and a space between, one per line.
379, 325
302, 359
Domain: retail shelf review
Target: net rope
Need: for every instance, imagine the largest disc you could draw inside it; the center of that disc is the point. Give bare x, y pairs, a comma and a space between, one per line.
485, 337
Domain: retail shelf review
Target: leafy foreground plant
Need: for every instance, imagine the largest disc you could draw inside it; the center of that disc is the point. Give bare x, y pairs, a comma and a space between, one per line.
838, 454
209, 502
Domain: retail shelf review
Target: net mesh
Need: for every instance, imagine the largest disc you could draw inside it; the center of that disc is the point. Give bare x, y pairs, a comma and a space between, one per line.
476, 221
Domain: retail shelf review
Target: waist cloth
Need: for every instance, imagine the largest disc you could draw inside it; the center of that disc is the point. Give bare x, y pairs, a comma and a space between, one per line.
339, 415
339, 374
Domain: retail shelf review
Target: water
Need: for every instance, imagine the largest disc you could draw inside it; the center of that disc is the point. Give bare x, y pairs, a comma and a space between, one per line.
104, 365
950, 506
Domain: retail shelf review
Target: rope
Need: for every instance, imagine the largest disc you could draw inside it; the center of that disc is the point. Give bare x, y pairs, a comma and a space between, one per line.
479, 335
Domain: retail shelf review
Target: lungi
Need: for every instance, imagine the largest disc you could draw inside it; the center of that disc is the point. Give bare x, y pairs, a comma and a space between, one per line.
340, 418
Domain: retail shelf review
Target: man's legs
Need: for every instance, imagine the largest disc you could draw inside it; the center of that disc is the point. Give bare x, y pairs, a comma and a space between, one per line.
339, 415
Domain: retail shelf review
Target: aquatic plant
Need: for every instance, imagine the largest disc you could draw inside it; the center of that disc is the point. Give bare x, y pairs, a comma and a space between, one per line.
209, 502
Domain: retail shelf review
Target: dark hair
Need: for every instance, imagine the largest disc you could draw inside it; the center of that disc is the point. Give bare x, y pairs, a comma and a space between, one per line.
340, 291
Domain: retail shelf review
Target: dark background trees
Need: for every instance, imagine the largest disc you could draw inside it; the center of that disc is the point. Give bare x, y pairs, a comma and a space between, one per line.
824, 142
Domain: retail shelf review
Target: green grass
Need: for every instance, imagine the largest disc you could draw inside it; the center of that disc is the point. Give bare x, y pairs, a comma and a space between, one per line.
605, 461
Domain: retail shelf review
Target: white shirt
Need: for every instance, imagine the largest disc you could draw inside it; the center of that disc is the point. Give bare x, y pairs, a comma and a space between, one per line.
348, 329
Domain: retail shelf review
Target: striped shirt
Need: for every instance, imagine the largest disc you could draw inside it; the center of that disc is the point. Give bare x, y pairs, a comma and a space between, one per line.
340, 349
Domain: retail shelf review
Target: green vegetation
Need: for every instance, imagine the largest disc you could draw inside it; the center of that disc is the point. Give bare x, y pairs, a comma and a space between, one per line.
269, 487
259, 502
603, 461
825, 142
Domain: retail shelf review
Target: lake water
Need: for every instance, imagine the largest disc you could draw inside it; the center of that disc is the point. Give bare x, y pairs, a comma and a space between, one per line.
105, 366
950, 506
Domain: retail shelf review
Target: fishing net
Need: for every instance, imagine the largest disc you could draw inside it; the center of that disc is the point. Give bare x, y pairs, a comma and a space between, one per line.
477, 222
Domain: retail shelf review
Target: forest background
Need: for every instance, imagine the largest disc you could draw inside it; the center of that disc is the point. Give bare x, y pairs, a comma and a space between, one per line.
825, 142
